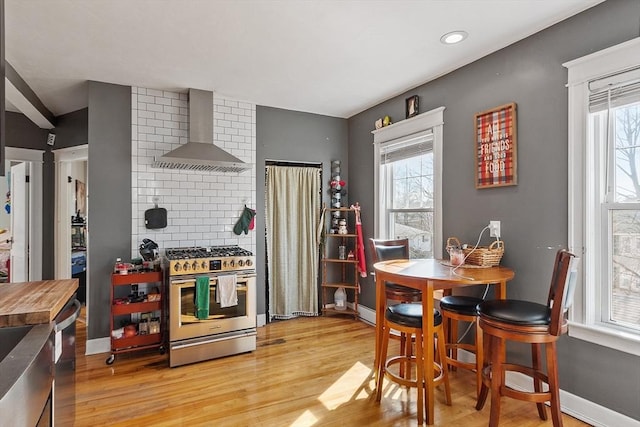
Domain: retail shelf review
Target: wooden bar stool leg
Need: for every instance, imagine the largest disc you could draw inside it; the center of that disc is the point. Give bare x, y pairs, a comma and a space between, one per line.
420, 377
378, 350
487, 341
403, 352
381, 361
453, 336
536, 363
479, 358
441, 352
497, 378
554, 388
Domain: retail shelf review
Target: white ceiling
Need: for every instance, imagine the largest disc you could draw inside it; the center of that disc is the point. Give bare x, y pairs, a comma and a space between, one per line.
329, 57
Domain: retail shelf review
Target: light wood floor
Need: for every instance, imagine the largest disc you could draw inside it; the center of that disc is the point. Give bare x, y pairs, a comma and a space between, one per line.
305, 372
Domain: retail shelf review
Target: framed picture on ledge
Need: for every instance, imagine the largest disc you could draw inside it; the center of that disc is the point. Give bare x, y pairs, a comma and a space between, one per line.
411, 105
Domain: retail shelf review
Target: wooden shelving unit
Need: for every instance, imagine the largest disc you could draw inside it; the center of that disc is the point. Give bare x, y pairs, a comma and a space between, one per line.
337, 272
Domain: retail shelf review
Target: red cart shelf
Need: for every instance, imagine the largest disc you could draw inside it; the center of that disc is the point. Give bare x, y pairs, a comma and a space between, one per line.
140, 341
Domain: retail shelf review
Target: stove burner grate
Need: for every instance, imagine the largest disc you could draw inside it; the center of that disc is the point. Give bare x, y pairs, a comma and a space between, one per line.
202, 252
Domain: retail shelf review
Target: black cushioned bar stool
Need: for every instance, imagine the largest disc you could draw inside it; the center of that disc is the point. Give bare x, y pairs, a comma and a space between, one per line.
463, 308
389, 249
531, 323
407, 318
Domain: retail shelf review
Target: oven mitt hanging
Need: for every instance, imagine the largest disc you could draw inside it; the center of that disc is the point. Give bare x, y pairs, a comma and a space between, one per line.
245, 222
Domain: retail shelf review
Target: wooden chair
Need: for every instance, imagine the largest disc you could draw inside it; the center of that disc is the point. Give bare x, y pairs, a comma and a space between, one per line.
407, 318
532, 323
455, 309
385, 250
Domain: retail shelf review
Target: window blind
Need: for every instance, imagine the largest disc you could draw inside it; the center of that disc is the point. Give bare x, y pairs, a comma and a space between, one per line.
405, 148
615, 90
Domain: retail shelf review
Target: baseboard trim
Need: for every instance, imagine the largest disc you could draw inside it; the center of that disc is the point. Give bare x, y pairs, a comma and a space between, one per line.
261, 320
98, 345
367, 315
576, 406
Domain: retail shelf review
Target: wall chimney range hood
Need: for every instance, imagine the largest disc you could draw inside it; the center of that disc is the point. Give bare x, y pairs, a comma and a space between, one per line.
200, 153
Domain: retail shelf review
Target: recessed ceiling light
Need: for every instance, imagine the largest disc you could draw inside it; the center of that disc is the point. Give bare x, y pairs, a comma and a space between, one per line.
454, 37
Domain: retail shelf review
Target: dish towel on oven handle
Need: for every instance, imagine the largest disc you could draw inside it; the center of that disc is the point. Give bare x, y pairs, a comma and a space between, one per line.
227, 294
202, 297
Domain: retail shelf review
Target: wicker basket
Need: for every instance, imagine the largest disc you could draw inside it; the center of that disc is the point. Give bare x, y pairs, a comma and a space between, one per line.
482, 255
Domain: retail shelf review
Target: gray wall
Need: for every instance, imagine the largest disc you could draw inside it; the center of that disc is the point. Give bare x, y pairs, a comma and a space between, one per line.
71, 129
533, 213
109, 196
23, 133
296, 137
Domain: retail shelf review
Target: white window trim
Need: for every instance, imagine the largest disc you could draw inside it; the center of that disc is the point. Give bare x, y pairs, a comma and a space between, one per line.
583, 321
434, 120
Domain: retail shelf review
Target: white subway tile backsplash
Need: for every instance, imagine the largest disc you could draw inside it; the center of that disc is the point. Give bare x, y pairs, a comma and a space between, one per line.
154, 137
146, 99
169, 124
155, 123
182, 103
202, 207
154, 92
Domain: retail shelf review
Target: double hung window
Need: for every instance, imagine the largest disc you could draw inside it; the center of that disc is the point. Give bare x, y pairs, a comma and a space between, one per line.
604, 194
408, 170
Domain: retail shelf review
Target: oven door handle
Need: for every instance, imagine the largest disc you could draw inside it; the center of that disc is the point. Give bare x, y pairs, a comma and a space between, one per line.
212, 280
192, 281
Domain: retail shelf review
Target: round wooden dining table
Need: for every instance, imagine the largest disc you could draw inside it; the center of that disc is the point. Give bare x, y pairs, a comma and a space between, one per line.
429, 275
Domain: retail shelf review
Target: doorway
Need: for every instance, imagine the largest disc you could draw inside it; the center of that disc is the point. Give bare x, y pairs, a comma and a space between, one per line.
293, 202
21, 216
71, 221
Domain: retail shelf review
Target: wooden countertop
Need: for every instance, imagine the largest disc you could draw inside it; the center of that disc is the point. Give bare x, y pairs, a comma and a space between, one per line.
31, 303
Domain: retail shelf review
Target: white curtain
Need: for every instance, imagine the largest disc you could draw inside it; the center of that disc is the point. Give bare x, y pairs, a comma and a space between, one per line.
292, 215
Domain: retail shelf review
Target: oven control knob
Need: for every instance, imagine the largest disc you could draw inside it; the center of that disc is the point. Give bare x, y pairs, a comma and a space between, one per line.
232, 263
177, 266
224, 264
240, 263
203, 265
186, 266
194, 266
249, 263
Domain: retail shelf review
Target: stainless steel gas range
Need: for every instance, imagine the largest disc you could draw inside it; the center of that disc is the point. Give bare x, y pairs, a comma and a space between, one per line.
212, 303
